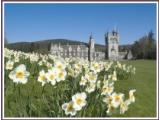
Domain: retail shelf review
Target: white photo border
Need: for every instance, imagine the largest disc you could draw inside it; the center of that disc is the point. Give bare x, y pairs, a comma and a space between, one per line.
3, 3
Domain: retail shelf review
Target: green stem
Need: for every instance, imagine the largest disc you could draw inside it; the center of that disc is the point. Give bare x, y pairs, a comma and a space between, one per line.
43, 89
14, 86
19, 91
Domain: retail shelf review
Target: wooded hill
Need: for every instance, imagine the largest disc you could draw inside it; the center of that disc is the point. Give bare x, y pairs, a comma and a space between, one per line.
44, 45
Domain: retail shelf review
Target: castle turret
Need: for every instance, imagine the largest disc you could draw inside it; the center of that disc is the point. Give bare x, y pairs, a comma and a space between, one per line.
91, 48
112, 44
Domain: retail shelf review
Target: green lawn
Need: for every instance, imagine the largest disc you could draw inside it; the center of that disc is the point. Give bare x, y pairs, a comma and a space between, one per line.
145, 83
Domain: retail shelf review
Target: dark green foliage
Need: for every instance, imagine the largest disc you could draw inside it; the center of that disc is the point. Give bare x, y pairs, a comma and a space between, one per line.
145, 47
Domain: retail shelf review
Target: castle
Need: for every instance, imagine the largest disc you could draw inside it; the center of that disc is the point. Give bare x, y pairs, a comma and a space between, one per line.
88, 51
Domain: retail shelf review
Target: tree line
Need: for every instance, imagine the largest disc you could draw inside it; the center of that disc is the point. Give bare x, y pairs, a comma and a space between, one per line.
145, 47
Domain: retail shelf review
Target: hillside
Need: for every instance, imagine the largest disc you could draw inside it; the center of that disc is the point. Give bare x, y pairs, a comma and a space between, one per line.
43, 46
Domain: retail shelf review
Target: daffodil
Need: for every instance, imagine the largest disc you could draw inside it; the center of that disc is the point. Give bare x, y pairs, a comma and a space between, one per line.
51, 76
90, 87
60, 65
79, 100
92, 77
124, 106
95, 67
34, 58
61, 75
108, 99
83, 81
42, 77
9, 65
117, 99
77, 66
16, 59
110, 109
114, 76
107, 90
131, 95
19, 74
69, 109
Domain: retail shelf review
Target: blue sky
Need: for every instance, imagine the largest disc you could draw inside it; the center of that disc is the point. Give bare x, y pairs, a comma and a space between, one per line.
32, 22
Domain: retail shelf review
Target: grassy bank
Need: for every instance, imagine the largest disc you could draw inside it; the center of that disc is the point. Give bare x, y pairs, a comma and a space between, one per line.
145, 83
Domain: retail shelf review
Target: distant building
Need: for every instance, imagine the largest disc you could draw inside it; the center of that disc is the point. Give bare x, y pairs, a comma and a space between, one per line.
112, 47
79, 51
88, 51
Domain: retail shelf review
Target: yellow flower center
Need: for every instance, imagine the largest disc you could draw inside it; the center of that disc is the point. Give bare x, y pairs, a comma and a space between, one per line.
61, 74
19, 74
10, 65
59, 66
70, 107
51, 77
96, 67
79, 101
117, 98
43, 77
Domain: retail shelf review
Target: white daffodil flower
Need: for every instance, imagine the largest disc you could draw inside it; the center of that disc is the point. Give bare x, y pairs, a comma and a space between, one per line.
16, 59
92, 77
114, 76
131, 95
42, 77
79, 100
107, 90
110, 109
124, 106
69, 109
19, 74
61, 75
9, 65
90, 88
51, 76
83, 81
60, 65
95, 67
108, 99
117, 99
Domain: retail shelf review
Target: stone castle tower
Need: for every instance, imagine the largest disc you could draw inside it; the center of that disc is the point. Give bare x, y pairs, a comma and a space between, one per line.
91, 48
112, 45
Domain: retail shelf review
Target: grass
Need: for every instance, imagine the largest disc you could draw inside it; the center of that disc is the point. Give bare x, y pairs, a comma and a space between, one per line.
145, 84
46, 105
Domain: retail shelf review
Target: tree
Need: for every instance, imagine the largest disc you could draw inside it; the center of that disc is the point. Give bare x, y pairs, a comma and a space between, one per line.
145, 47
